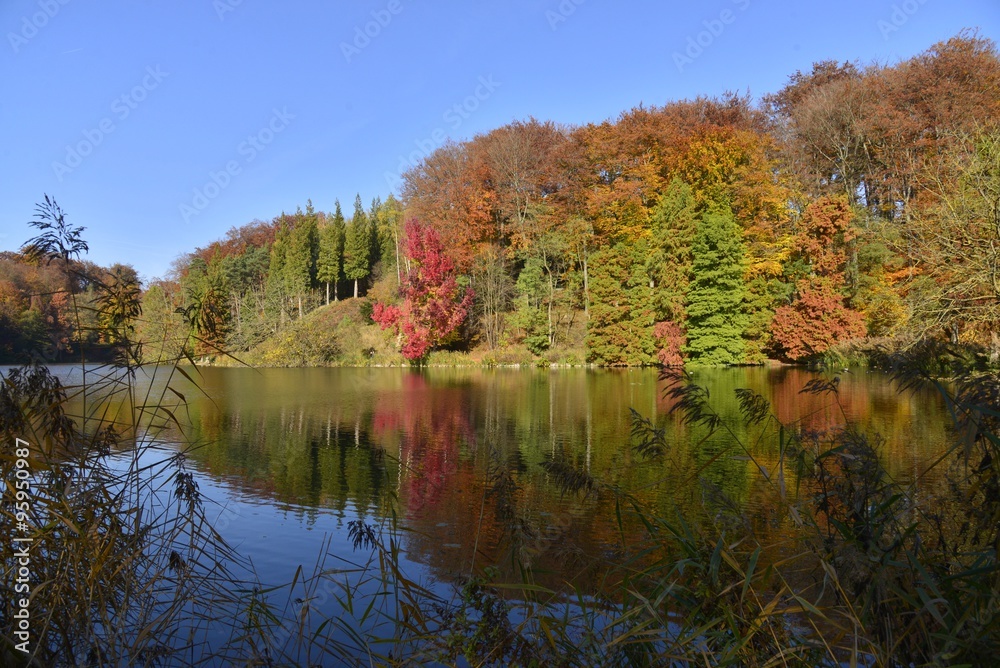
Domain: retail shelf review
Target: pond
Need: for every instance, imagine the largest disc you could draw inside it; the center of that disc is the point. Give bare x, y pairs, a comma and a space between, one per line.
287, 458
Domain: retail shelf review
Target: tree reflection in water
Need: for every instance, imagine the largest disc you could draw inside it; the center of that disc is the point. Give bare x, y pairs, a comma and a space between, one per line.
436, 443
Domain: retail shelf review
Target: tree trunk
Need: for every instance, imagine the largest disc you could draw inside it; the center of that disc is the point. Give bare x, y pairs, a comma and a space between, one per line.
395, 238
299, 297
355, 288
328, 293
552, 297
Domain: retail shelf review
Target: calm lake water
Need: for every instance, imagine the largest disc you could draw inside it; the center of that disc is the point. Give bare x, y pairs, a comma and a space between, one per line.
287, 457
292, 454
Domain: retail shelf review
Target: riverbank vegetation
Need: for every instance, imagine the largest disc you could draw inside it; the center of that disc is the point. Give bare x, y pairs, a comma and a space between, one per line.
856, 203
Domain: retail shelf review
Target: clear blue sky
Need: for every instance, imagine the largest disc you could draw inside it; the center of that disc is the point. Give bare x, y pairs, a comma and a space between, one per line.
122, 109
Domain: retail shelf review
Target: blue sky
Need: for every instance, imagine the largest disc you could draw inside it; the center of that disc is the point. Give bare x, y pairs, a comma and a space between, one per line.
160, 125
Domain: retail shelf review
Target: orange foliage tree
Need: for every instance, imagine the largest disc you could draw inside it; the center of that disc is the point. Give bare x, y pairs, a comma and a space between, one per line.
818, 317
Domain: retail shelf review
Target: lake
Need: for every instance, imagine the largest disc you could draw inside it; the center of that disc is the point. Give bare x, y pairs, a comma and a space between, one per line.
286, 458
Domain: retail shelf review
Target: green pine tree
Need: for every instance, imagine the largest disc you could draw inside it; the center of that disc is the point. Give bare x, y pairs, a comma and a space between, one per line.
275, 292
620, 330
330, 263
374, 220
669, 263
716, 310
339, 223
300, 257
357, 250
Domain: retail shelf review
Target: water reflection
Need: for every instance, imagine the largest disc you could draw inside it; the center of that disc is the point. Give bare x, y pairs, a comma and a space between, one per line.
359, 442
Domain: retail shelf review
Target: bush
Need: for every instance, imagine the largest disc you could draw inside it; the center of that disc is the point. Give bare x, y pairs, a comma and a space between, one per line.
305, 343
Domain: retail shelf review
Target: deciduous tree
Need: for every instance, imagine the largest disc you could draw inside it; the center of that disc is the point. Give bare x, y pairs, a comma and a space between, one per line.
433, 305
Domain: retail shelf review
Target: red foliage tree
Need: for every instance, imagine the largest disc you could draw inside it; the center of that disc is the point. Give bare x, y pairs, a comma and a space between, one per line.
815, 321
433, 306
824, 237
671, 340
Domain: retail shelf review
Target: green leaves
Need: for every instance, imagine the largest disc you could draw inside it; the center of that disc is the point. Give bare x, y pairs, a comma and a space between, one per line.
57, 239
622, 317
715, 302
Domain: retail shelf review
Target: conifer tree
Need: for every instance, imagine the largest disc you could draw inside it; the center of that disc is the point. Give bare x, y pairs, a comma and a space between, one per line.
275, 288
300, 264
621, 327
357, 251
715, 299
674, 222
374, 221
330, 262
339, 223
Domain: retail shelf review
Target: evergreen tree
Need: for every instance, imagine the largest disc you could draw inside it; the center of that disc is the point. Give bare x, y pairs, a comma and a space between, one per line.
300, 263
275, 290
330, 263
715, 302
357, 251
620, 330
669, 263
374, 221
339, 225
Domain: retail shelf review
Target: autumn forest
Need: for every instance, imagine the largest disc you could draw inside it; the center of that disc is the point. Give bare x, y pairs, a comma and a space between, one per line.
858, 205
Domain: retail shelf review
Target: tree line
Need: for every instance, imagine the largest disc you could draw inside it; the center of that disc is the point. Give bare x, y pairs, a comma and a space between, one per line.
857, 201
